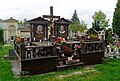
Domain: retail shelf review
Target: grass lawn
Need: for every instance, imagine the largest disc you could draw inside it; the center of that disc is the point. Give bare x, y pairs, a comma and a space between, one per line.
109, 71
5, 49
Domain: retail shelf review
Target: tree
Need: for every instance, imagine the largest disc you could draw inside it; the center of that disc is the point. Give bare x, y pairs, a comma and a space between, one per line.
82, 26
108, 35
75, 18
21, 23
116, 19
76, 25
73, 27
99, 18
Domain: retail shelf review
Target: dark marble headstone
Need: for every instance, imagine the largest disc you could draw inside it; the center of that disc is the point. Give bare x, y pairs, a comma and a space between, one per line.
61, 28
39, 29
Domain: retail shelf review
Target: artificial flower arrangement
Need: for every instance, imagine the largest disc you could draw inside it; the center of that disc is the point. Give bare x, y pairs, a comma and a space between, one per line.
60, 40
77, 47
67, 51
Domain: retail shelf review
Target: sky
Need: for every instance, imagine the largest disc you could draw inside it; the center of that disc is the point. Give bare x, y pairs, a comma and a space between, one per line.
29, 9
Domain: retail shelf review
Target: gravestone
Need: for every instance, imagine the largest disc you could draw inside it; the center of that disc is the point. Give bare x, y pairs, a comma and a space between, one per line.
39, 29
12, 54
61, 28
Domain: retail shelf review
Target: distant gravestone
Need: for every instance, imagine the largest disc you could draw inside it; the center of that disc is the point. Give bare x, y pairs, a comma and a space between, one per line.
12, 54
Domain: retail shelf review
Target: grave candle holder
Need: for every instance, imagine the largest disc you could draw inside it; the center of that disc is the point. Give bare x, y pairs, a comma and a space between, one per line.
68, 37
45, 39
53, 38
34, 38
40, 40
22, 40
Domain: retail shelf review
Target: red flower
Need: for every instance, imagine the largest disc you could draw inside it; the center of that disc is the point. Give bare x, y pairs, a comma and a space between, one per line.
78, 47
59, 39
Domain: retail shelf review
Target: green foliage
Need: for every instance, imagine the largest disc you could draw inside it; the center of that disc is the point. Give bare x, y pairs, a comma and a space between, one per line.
101, 17
110, 39
82, 26
116, 19
76, 25
21, 23
92, 33
5, 49
73, 27
108, 60
24, 22
108, 35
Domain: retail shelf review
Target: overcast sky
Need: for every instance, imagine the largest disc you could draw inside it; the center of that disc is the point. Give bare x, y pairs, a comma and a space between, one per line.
29, 9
